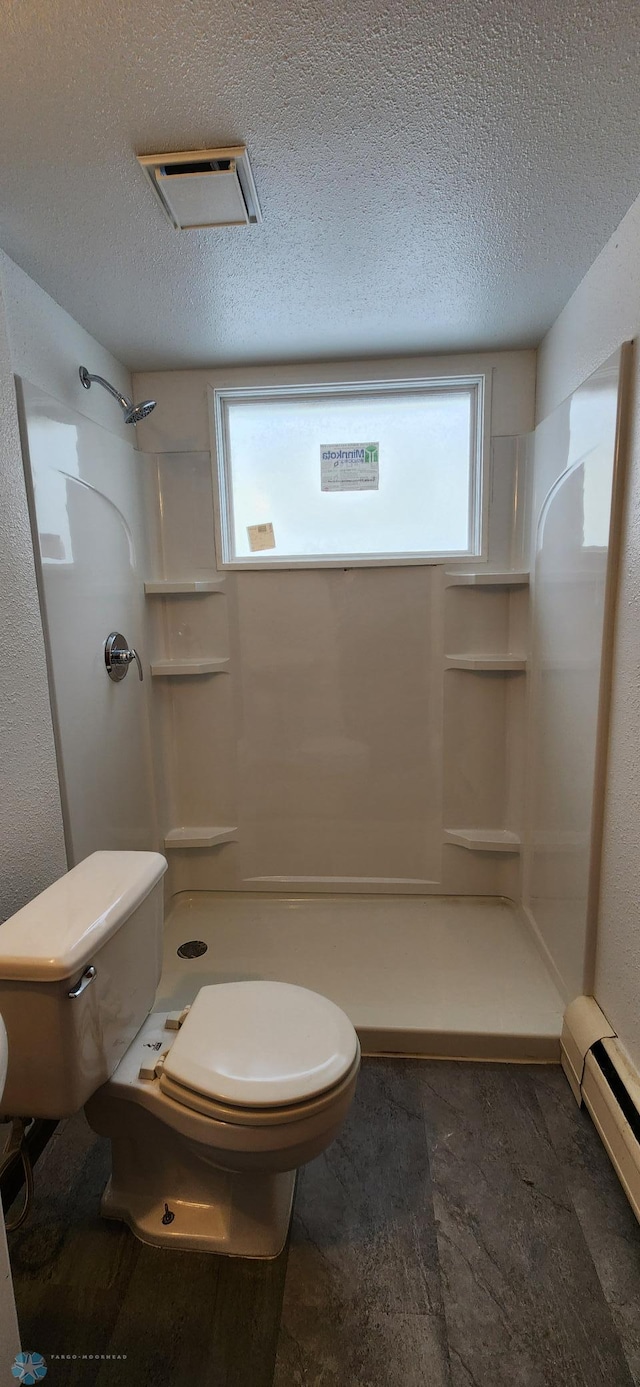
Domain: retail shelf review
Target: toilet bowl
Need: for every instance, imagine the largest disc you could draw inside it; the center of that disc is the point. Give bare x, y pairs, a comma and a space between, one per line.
209, 1111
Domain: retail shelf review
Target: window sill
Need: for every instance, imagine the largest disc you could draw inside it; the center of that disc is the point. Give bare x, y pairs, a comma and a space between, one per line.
348, 561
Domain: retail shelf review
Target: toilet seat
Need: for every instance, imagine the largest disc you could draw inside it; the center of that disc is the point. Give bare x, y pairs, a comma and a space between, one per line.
248, 1048
259, 1117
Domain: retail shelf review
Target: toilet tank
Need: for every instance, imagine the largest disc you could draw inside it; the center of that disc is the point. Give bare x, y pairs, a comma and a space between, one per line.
79, 969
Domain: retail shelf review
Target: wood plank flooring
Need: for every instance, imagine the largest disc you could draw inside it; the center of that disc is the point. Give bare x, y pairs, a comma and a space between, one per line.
465, 1230
88, 1288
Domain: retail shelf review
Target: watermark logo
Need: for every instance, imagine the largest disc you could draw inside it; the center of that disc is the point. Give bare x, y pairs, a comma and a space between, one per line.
29, 1368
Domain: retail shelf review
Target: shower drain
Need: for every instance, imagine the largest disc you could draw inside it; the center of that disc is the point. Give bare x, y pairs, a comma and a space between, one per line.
194, 948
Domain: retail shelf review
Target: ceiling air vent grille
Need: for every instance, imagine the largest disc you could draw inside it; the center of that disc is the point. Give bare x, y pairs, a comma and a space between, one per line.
204, 187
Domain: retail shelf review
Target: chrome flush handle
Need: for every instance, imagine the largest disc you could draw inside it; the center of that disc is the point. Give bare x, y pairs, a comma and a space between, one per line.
89, 974
118, 655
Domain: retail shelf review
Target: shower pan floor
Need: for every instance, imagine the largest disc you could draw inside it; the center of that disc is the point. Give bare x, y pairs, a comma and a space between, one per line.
450, 976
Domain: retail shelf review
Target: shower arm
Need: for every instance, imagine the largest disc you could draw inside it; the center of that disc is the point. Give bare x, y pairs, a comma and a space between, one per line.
86, 379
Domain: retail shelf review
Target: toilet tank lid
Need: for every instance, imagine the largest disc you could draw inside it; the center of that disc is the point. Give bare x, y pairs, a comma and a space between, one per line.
56, 935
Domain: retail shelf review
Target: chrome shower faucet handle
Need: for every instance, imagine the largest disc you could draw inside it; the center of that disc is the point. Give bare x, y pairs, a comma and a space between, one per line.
118, 655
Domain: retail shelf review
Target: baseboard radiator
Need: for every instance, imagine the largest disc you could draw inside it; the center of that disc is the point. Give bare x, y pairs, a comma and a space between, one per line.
602, 1077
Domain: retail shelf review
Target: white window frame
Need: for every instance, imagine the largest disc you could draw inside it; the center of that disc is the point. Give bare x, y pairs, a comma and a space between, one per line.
478, 491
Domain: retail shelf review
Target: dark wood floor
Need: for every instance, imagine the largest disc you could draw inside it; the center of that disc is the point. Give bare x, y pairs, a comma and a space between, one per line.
465, 1230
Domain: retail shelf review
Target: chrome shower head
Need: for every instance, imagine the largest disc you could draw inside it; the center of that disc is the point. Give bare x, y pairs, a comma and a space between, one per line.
132, 413
137, 412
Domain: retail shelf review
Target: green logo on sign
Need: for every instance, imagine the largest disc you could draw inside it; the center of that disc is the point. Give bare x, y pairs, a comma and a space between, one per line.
371, 452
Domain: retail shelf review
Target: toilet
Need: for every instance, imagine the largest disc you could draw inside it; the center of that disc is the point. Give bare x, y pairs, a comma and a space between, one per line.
211, 1110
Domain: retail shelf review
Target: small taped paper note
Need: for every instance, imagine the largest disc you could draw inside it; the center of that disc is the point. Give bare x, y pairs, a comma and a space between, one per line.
349, 466
261, 537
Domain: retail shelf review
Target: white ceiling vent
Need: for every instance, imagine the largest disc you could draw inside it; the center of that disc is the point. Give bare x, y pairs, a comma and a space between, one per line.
204, 187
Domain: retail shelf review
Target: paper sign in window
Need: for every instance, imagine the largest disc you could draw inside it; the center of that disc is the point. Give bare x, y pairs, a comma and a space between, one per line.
349, 466
260, 537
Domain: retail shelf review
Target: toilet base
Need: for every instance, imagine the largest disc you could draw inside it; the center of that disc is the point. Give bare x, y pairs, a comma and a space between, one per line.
157, 1173
245, 1215
218, 1182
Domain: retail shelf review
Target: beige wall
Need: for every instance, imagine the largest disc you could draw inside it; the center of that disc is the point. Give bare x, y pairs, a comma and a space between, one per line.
603, 312
334, 750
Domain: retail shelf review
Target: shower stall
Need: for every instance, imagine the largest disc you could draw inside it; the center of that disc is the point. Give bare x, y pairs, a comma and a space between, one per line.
383, 782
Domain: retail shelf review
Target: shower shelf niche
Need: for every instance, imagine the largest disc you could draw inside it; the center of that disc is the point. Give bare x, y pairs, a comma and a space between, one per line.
483, 579
199, 837
169, 587
483, 839
167, 669
505, 664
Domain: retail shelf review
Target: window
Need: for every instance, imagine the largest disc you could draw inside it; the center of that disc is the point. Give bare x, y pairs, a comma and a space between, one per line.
350, 472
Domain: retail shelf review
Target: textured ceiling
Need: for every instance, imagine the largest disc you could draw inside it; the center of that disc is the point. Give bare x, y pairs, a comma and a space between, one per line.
434, 174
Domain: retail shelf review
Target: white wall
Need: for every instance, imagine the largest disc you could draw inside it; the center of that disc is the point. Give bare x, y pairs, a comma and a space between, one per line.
43, 344
48, 346
91, 516
31, 837
603, 312
39, 341
569, 481
81, 435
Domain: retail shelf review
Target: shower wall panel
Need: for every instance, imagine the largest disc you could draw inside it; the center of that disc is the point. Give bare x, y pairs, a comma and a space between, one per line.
571, 474
89, 508
316, 753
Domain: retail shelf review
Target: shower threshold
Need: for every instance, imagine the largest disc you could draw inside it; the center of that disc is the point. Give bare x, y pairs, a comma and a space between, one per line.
440, 976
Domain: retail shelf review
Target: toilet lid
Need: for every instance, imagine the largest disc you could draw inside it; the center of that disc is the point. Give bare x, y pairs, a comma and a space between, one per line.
261, 1044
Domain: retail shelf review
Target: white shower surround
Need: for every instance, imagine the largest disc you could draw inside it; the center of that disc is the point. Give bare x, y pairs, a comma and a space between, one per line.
604, 311
330, 612
464, 788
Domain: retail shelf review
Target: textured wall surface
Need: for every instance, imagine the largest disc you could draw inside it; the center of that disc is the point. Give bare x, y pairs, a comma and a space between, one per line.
39, 341
433, 177
47, 347
604, 311
31, 841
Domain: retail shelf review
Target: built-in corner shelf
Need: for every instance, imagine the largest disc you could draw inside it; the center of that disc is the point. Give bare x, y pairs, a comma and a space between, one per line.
199, 837
175, 668
169, 587
483, 579
483, 839
506, 664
